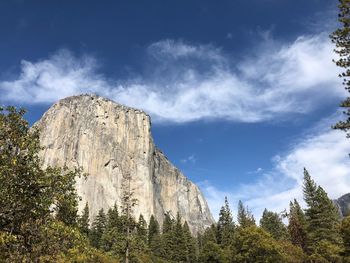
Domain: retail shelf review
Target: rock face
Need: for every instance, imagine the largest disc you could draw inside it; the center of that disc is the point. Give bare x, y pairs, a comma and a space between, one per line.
343, 204
109, 140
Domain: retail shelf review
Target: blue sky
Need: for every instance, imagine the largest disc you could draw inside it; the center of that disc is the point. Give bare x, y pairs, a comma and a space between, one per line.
242, 93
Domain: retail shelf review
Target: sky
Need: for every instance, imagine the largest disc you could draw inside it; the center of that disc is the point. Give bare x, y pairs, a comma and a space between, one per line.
242, 93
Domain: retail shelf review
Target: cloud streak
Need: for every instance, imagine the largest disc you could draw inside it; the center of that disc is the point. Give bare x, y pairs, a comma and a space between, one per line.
195, 82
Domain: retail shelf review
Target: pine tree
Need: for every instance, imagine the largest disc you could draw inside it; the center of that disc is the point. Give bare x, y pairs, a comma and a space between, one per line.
272, 223
168, 223
153, 229
167, 238
341, 38
179, 242
83, 220
297, 225
244, 216
190, 244
142, 229
113, 218
345, 233
97, 228
321, 215
225, 226
128, 203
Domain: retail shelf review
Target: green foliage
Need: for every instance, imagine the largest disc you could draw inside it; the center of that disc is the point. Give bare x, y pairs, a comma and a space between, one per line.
211, 253
153, 229
83, 221
272, 223
292, 253
225, 226
322, 217
253, 244
97, 228
244, 216
297, 225
341, 38
345, 233
142, 229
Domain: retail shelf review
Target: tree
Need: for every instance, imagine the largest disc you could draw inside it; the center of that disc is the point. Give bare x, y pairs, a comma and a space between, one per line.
178, 241
29, 194
345, 233
225, 226
253, 244
153, 229
190, 244
97, 228
321, 215
83, 221
128, 203
244, 216
272, 223
297, 225
142, 228
211, 253
113, 218
341, 38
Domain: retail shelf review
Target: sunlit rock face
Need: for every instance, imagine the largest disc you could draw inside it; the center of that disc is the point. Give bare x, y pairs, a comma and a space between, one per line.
108, 140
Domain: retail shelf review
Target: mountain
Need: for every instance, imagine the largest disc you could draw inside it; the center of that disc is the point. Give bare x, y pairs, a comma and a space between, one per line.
343, 204
109, 140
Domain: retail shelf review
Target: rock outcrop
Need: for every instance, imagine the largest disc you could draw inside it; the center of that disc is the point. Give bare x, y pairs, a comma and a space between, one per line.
343, 204
109, 140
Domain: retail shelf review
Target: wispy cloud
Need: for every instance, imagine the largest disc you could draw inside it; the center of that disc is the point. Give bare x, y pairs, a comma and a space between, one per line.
323, 151
194, 82
190, 159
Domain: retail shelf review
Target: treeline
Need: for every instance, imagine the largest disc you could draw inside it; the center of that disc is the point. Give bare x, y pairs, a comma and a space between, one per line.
315, 234
39, 220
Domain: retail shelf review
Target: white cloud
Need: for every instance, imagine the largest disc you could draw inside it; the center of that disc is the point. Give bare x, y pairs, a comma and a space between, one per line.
190, 159
194, 82
324, 152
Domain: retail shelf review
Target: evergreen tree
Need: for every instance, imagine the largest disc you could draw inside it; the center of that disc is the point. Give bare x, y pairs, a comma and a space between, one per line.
178, 240
113, 218
211, 253
128, 203
297, 225
321, 215
244, 216
142, 229
225, 226
97, 228
154, 239
153, 229
341, 38
83, 220
272, 223
167, 238
168, 223
345, 233
190, 244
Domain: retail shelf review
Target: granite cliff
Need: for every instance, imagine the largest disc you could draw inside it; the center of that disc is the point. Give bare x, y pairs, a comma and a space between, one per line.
343, 205
108, 140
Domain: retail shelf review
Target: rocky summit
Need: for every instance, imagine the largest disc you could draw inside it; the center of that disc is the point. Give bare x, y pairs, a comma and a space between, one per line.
109, 140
